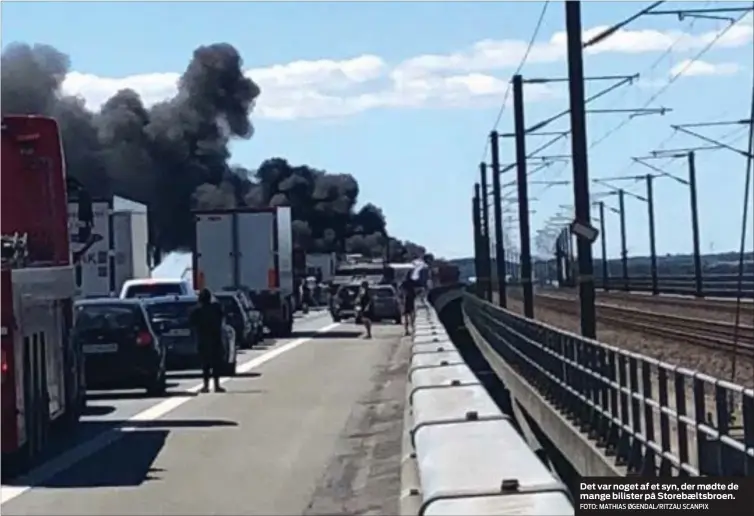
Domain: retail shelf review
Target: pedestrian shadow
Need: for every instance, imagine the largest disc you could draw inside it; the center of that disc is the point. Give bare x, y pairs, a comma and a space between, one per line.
342, 334
128, 459
197, 375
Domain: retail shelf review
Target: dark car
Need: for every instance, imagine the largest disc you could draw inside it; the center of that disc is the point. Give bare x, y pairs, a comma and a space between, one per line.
238, 317
343, 305
386, 305
170, 316
121, 348
255, 316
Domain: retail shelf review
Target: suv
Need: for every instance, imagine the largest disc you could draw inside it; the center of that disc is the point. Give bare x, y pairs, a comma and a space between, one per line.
122, 349
343, 303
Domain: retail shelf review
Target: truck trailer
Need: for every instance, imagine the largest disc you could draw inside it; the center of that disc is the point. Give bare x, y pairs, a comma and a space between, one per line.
116, 250
250, 250
43, 382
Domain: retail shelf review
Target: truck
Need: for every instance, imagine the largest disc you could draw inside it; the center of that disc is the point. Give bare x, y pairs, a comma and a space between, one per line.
321, 266
248, 249
116, 251
43, 383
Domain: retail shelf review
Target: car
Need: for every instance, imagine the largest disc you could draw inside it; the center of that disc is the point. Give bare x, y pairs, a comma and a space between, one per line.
255, 315
155, 287
343, 303
385, 303
170, 316
238, 317
121, 347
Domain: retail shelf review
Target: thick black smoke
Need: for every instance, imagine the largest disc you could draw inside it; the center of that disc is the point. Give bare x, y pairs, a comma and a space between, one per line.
174, 155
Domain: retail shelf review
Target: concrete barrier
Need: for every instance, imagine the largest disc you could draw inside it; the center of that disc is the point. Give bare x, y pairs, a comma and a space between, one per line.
461, 454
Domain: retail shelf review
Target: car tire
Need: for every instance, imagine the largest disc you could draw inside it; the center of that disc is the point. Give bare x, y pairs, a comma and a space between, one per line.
159, 385
398, 320
336, 318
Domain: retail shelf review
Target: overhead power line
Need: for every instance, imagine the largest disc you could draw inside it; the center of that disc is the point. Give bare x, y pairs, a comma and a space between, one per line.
508, 90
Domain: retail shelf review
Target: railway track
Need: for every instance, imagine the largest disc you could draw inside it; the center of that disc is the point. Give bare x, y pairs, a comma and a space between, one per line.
711, 334
718, 305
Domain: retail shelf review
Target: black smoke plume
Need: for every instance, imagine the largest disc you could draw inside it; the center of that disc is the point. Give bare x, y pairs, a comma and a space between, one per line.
173, 156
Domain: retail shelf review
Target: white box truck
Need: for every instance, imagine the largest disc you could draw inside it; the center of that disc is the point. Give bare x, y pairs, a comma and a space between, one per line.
116, 251
250, 250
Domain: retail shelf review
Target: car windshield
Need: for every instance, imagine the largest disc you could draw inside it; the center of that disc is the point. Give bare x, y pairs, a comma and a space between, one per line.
348, 292
174, 314
229, 304
105, 317
383, 292
154, 290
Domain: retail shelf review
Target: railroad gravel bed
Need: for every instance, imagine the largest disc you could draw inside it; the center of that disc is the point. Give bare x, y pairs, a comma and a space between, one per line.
701, 309
713, 363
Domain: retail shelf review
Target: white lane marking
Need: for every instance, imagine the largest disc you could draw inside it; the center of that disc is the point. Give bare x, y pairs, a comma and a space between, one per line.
71, 457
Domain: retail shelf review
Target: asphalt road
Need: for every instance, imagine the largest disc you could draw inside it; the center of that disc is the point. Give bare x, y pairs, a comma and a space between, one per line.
311, 425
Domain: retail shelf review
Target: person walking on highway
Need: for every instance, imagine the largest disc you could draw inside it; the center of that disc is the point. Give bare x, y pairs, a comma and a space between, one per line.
207, 322
365, 308
408, 289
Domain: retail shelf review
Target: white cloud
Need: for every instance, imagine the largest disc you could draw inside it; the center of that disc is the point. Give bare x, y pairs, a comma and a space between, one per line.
332, 88
689, 68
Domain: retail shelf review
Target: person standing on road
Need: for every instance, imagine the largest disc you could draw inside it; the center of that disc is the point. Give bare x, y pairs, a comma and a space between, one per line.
408, 289
207, 322
365, 308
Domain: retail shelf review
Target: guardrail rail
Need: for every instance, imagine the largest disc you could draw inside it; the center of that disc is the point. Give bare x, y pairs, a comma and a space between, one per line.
611, 411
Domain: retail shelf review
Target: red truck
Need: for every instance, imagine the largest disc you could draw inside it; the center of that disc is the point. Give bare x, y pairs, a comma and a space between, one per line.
43, 385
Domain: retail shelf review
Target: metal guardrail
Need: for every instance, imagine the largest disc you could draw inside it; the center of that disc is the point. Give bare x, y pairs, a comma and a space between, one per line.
630, 407
450, 421
715, 286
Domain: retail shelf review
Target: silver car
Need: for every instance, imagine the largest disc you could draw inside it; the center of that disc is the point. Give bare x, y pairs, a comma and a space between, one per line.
385, 303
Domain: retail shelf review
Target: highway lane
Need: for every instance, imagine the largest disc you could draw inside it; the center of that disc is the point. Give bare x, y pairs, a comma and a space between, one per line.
106, 409
311, 426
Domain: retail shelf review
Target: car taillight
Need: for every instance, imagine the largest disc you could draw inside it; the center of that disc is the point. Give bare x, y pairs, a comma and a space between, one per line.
144, 338
4, 366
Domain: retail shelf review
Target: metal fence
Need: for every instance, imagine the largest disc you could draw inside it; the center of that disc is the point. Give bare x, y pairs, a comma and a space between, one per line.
652, 418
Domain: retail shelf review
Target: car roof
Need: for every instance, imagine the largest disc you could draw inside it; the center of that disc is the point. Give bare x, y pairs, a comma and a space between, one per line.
185, 298
154, 281
96, 301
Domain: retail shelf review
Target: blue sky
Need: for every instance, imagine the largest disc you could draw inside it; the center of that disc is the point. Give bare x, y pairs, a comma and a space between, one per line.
415, 149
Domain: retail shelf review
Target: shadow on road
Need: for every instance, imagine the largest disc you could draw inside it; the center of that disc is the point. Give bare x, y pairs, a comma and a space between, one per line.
98, 410
128, 460
134, 395
343, 334
197, 375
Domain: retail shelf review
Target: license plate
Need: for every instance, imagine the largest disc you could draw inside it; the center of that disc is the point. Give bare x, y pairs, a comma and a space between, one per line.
96, 349
178, 333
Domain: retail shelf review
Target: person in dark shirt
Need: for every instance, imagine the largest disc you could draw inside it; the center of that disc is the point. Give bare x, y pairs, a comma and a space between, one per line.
365, 308
207, 322
408, 289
